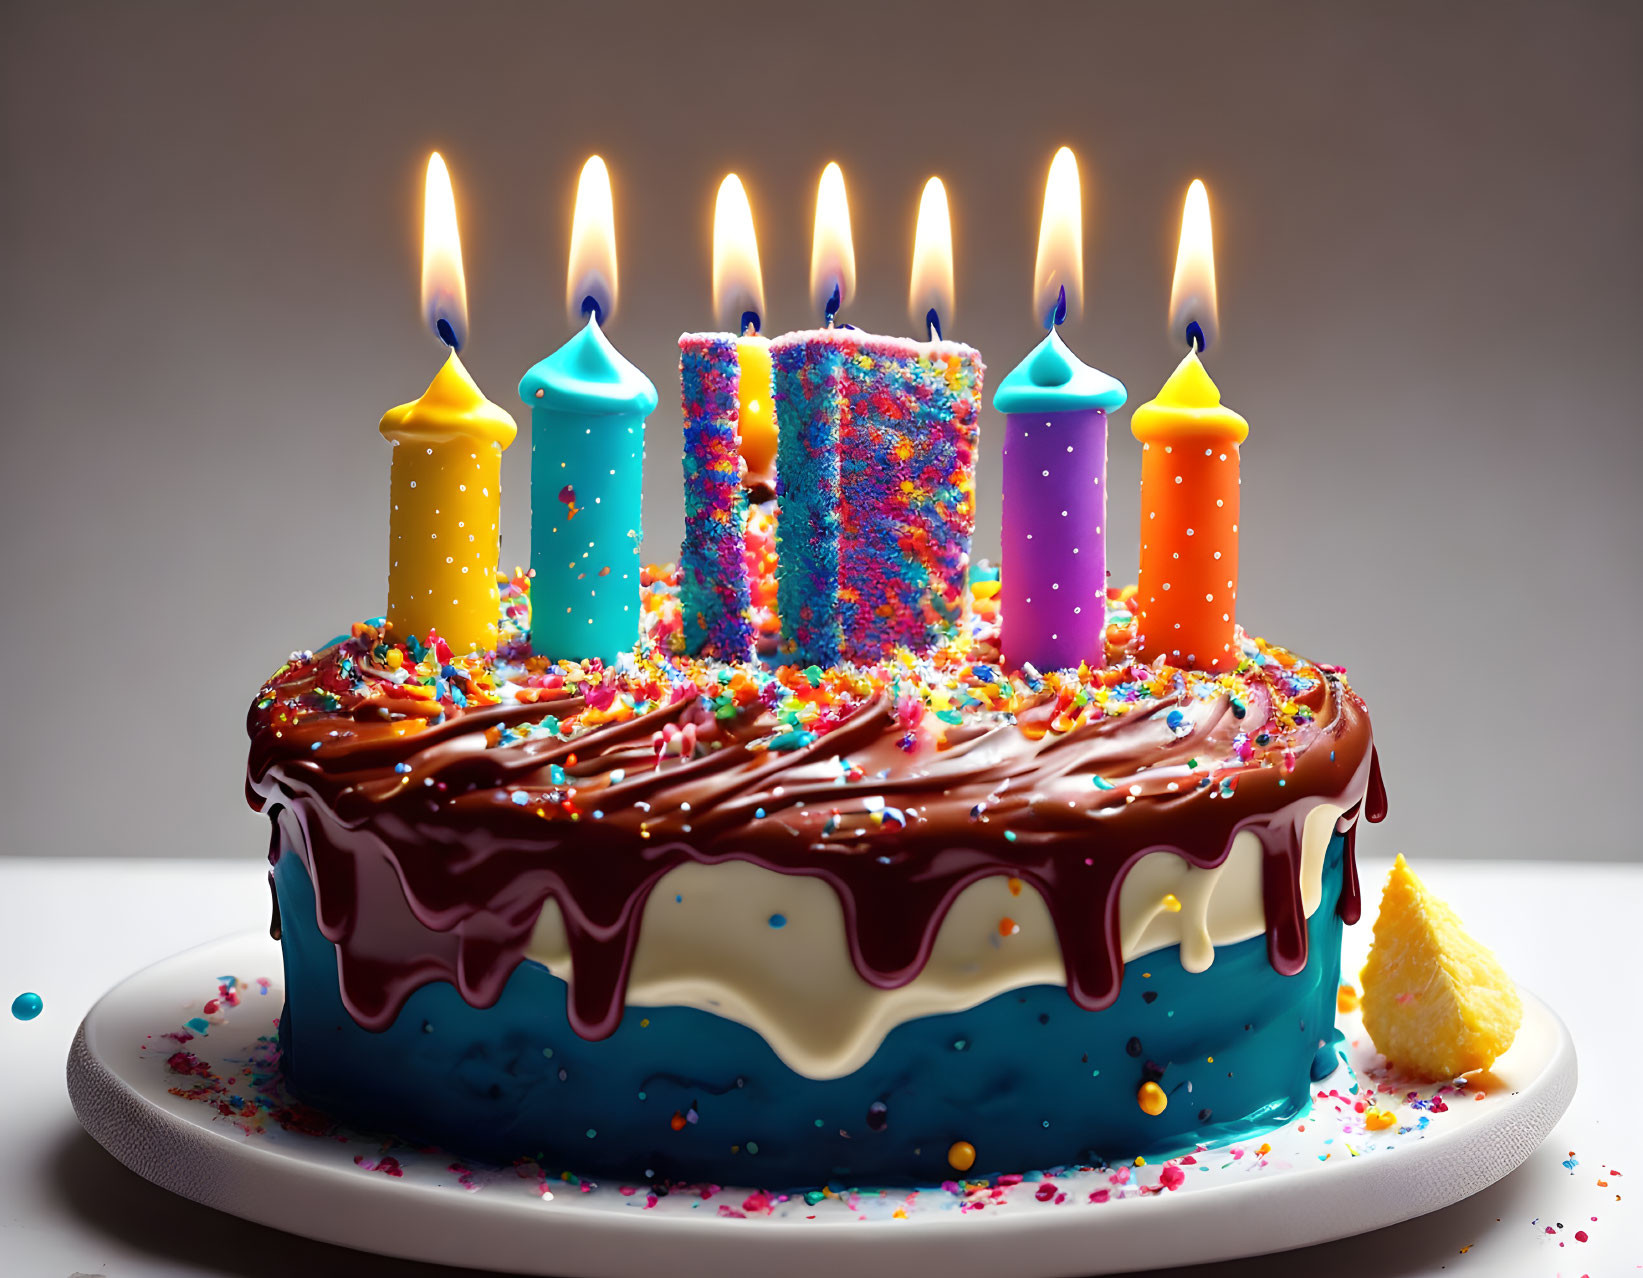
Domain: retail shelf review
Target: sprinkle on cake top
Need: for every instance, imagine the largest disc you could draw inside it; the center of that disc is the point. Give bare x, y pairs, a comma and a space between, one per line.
960, 682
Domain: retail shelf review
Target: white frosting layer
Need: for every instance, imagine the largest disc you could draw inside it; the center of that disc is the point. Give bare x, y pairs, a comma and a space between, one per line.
710, 939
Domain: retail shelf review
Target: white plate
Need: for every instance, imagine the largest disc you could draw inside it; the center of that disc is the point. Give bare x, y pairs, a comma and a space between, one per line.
1323, 1176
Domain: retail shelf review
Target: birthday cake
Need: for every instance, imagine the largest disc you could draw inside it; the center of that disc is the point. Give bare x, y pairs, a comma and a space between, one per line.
710, 921
828, 856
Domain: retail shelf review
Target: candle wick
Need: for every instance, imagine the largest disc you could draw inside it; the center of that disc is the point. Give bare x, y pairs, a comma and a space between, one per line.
447, 334
590, 306
932, 322
1195, 337
833, 304
750, 323
1058, 312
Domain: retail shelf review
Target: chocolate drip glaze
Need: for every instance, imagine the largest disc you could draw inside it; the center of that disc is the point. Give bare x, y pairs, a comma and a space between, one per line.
432, 849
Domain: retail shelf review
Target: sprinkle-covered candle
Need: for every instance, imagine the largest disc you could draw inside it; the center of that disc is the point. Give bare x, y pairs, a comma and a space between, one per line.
730, 440
714, 596
876, 472
877, 480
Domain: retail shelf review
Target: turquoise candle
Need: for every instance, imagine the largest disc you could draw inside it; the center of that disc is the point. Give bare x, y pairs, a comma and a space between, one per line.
588, 408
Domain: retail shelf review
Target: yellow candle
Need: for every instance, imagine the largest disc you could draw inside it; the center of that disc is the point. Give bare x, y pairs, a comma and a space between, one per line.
738, 299
756, 414
446, 489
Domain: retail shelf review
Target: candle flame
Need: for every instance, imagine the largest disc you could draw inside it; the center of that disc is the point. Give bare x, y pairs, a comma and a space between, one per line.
738, 284
931, 292
1193, 315
590, 282
444, 286
832, 251
1059, 270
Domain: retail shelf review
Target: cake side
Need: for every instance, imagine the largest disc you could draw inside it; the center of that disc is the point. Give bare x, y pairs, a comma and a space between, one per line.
677, 1093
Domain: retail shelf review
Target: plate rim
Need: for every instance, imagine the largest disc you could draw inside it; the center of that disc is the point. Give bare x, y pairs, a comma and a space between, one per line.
148, 1138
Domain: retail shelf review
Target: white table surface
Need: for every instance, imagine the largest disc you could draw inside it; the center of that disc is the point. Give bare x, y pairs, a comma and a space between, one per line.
69, 929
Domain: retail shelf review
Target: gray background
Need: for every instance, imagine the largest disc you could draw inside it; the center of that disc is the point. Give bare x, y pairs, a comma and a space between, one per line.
1427, 219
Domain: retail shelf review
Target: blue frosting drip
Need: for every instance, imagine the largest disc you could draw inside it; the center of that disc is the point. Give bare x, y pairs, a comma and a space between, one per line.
588, 375
1028, 1078
1054, 380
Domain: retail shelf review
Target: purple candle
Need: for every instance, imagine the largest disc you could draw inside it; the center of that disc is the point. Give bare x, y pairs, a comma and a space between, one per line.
1053, 588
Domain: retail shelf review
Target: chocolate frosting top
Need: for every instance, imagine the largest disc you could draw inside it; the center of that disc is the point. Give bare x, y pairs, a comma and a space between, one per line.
442, 801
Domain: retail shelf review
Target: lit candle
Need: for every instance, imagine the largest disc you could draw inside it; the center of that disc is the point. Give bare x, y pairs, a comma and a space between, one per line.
808, 376
588, 409
446, 481
930, 287
929, 496
738, 302
1054, 572
875, 469
1187, 590
730, 439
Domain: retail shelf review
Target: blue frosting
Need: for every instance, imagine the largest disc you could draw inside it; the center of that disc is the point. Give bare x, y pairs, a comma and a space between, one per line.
1028, 1078
1054, 380
588, 375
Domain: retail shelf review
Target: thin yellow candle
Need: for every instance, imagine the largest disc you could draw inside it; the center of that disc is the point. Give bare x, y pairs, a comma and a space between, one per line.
445, 486
738, 296
756, 414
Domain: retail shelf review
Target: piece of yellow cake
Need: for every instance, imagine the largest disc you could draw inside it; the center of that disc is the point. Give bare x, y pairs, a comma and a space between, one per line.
1436, 1003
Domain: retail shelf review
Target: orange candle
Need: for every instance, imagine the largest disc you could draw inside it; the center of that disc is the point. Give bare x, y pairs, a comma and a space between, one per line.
1188, 584
1187, 590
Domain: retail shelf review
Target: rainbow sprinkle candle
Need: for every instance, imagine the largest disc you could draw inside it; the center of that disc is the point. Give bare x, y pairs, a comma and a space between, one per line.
714, 593
730, 447
875, 471
807, 487
876, 477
